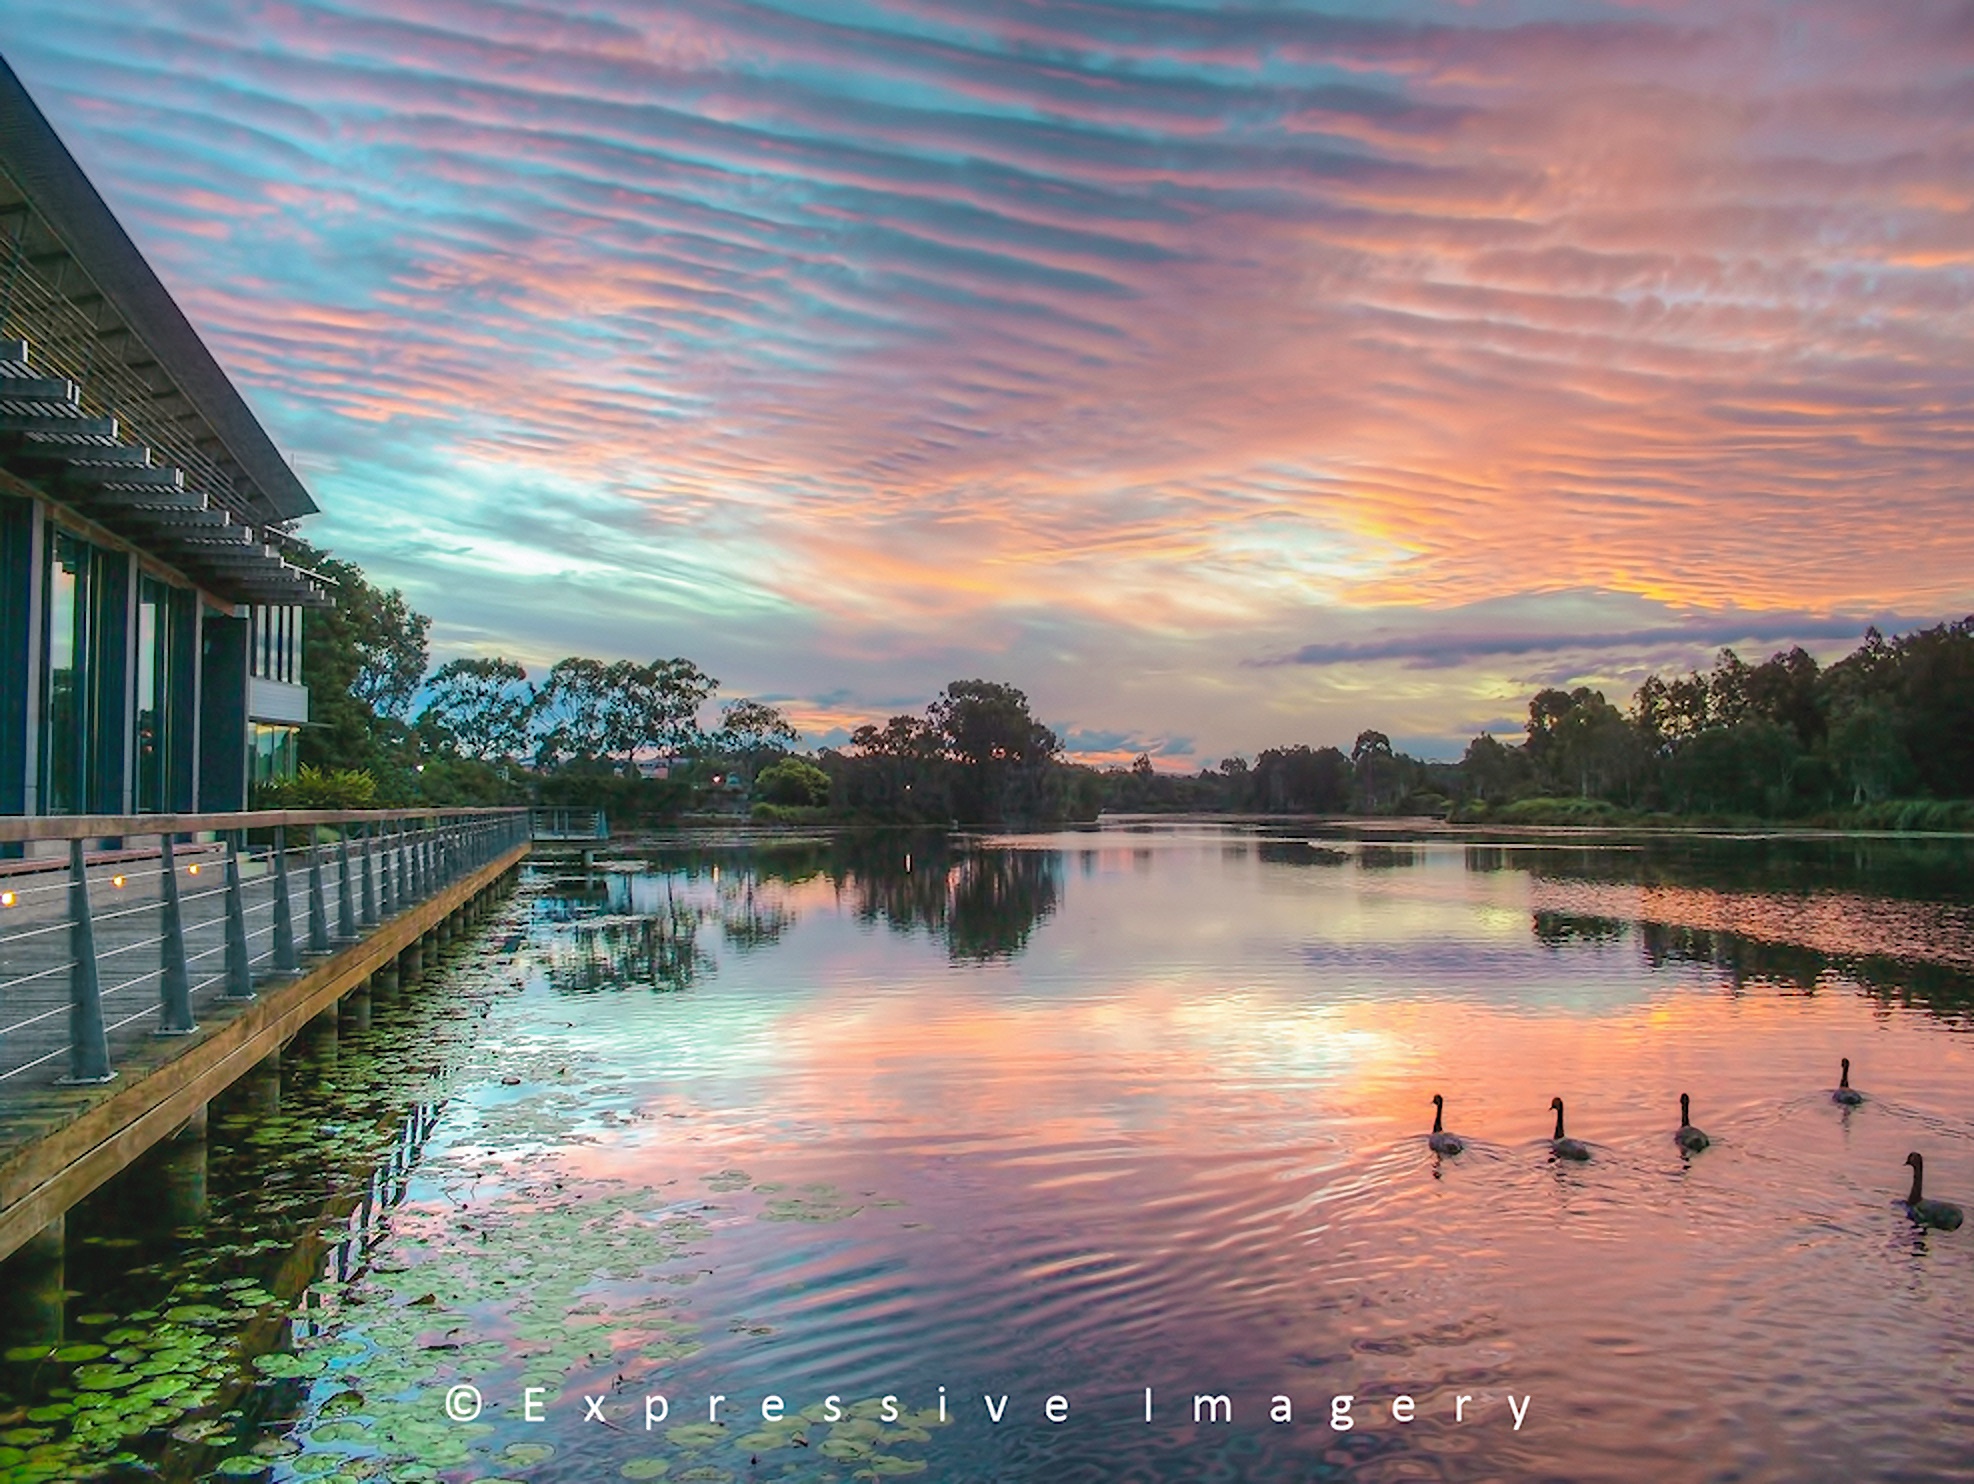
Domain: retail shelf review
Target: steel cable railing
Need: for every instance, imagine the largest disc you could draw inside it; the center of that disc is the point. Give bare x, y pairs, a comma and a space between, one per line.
171, 914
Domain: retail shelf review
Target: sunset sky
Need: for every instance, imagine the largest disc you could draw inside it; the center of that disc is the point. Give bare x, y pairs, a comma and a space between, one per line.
1223, 376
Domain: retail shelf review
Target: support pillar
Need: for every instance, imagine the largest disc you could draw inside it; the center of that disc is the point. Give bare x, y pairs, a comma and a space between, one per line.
177, 1171
260, 1089
33, 1291
325, 1036
198, 1126
355, 1008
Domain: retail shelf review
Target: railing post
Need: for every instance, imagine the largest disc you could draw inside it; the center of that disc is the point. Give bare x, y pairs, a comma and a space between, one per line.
318, 907
286, 959
175, 982
89, 1047
345, 894
387, 893
370, 877
239, 966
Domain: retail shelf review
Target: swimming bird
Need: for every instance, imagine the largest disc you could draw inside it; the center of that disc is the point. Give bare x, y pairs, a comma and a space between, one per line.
1849, 1096
1561, 1147
1943, 1214
1691, 1139
1441, 1141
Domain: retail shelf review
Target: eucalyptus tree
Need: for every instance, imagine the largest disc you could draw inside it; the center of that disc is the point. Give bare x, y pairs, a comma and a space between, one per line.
572, 720
654, 707
484, 707
753, 734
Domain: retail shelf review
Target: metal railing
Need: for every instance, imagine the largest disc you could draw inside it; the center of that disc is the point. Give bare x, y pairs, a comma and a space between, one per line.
568, 824
173, 913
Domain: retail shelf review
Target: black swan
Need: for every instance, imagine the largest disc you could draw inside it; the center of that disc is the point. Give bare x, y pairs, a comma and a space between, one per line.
1849, 1096
1441, 1141
1561, 1147
1943, 1214
1691, 1139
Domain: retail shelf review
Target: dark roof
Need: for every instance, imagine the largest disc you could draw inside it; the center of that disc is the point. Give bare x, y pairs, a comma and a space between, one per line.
240, 454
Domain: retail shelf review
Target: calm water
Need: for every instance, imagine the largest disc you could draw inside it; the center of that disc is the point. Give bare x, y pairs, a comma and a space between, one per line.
1082, 1115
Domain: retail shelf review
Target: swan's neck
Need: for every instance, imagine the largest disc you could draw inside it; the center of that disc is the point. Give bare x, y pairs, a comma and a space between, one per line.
1918, 1174
1559, 1123
1438, 1114
1845, 1079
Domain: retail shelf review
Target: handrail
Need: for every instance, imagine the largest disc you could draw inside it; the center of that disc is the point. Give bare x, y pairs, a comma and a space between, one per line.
98, 949
19, 828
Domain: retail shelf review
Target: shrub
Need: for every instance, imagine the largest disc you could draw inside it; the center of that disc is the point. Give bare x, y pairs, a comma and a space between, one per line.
793, 781
317, 788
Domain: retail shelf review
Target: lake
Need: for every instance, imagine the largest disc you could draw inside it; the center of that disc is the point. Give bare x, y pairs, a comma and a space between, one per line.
915, 1133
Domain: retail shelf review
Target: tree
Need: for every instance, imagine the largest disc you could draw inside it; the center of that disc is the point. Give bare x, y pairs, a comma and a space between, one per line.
1297, 780
654, 706
898, 770
1783, 689
1743, 769
1374, 768
1491, 771
392, 644
753, 733
1002, 753
482, 707
362, 661
1595, 748
1668, 712
793, 781
1865, 749
572, 712
1934, 672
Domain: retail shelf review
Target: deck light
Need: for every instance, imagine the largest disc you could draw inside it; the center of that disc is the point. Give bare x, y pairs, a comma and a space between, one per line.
6, 899
117, 882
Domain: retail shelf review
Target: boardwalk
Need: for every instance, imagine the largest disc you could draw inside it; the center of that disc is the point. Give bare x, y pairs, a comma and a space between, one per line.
139, 975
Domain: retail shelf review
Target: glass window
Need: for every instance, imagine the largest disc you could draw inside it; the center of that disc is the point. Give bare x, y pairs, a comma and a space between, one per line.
66, 688
162, 693
274, 754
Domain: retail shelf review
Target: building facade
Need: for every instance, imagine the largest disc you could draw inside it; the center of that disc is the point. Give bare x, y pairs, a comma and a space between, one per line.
151, 605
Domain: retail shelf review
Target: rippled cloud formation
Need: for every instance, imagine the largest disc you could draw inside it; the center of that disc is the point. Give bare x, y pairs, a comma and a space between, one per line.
1223, 375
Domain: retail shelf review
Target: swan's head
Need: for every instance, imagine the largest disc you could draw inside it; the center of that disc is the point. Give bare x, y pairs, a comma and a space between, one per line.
1847, 1063
1914, 1160
1557, 1104
1685, 1104
1438, 1101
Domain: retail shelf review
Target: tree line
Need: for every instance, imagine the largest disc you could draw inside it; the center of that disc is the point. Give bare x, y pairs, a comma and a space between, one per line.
1883, 734
586, 731
1878, 735
388, 729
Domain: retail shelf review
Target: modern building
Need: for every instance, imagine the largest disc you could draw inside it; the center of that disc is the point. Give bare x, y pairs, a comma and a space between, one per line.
150, 605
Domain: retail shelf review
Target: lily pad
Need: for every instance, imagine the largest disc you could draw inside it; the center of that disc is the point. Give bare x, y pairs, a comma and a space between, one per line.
645, 1468
282, 1366
104, 1377
695, 1435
